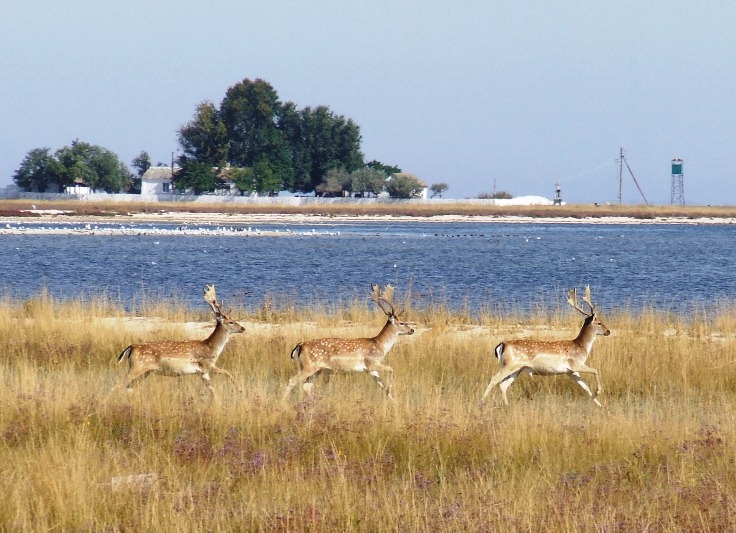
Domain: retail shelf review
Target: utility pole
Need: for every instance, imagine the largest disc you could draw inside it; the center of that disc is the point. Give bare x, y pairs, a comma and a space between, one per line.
621, 162
620, 174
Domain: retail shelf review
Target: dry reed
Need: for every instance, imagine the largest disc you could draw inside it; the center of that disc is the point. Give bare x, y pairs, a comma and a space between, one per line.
658, 457
409, 208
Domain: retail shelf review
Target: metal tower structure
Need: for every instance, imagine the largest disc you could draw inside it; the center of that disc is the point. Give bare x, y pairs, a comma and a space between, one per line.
677, 196
621, 162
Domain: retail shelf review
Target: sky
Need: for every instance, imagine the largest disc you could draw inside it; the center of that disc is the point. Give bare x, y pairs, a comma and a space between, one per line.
511, 96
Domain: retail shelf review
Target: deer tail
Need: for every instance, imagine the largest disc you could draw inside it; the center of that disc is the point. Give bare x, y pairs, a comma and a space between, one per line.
296, 351
126, 353
499, 352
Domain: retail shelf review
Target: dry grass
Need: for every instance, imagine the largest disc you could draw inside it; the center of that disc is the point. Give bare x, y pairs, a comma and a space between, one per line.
658, 457
18, 208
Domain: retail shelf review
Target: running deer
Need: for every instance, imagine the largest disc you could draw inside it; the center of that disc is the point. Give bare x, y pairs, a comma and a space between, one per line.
353, 355
178, 358
548, 358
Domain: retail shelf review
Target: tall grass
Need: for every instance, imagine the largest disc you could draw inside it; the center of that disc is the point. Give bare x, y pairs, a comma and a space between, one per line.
412, 208
659, 456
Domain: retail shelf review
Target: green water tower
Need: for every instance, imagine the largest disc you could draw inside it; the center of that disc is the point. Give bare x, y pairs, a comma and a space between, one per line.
677, 195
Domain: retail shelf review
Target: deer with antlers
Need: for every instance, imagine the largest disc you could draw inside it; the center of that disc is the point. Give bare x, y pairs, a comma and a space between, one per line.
353, 355
178, 358
549, 358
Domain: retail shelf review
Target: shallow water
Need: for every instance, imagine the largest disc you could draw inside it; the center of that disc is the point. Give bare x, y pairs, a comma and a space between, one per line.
682, 268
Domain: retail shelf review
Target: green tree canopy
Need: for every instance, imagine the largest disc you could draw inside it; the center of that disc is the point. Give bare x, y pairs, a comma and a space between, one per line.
368, 180
244, 178
205, 137
38, 170
387, 169
96, 167
253, 127
195, 175
438, 189
335, 183
141, 163
402, 186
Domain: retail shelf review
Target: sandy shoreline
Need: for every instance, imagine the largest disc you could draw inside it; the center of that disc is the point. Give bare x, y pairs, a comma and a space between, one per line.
49, 222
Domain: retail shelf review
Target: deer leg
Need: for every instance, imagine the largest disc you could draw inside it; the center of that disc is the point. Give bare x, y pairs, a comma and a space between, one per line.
134, 374
324, 373
575, 376
589, 370
301, 377
498, 378
506, 383
207, 382
217, 370
374, 372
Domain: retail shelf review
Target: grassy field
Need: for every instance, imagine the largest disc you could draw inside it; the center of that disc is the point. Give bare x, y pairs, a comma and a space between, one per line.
15, 208
659, 456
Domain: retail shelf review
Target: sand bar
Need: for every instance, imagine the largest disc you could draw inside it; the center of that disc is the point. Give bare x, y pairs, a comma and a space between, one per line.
55, 222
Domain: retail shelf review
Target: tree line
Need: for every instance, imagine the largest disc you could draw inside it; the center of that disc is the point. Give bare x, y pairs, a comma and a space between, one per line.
252, 139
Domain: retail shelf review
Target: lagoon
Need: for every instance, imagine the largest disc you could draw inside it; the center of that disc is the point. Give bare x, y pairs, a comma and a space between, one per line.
681, 268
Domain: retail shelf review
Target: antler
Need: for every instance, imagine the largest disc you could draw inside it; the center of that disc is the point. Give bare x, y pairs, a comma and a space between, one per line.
384, 297
211, 297
572, 299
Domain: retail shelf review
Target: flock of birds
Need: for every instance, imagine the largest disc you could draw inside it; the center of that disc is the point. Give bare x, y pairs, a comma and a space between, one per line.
86, 229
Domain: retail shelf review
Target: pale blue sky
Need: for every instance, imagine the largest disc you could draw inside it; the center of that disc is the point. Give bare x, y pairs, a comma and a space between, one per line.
526, 93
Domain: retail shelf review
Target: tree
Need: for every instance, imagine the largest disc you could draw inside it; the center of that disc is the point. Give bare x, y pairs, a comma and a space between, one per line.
401, 186
140, 163
37, 171
267, 178
205, 137
331, 142
243, 178
388, 169
195, 175
291, 125
336, 182
438, 188
252, 126
96, 167
368, 181
249, 112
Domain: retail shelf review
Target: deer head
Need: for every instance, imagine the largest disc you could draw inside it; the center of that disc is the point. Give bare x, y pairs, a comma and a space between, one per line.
591, 319
211, 298
385, 300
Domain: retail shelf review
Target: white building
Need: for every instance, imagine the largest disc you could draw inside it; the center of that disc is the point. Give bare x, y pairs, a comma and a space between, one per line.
157, 181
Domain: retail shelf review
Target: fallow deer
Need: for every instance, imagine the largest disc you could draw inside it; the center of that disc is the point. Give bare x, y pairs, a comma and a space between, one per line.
548, 358
353, 355
178, 358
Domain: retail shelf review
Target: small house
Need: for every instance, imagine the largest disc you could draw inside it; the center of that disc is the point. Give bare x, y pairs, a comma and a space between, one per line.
158, 180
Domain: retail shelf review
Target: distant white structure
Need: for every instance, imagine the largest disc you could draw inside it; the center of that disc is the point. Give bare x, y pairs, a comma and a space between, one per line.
79, 188
524, 200
157, 181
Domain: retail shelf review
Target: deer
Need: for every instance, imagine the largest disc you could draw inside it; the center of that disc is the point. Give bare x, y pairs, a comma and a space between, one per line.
179, 358
548, 358
352, 355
